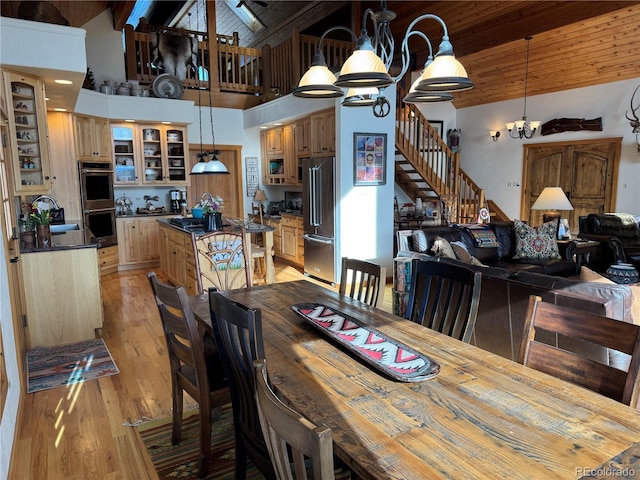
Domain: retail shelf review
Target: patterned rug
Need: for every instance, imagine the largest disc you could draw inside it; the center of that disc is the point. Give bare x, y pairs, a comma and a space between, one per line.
181, 461
61, 365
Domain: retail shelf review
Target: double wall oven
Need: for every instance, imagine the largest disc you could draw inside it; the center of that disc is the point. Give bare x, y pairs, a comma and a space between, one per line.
98, 203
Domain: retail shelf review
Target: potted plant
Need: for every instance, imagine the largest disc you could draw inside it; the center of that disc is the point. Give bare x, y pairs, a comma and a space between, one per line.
28, 234
42, 219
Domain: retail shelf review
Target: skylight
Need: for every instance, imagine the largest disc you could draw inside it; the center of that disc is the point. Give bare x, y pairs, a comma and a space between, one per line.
245, 15
140, 9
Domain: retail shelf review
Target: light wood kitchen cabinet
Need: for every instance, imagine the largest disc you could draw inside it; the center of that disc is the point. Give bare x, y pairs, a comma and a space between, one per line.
323, 133
303, 137
275, 142
176, 257
281, 169
62, 292
139, 240
28, 133
292, 229
93, 138
108, 259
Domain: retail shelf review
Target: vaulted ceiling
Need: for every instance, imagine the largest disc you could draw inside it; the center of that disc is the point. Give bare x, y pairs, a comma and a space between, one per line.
575, 43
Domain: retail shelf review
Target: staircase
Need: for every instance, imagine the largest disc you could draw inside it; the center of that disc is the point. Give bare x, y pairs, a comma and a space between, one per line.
426, 167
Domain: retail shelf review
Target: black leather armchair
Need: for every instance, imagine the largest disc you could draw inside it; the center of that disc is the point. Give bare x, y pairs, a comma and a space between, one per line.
619, 237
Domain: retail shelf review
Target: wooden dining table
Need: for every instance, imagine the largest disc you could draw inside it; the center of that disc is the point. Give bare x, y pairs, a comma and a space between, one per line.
481, 417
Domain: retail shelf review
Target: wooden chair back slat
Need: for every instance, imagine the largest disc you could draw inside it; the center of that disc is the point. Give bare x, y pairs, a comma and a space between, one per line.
444, 297
620, 385
289, 435
363, 281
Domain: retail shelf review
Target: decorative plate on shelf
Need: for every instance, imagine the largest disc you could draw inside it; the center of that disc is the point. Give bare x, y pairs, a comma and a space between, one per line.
167, 86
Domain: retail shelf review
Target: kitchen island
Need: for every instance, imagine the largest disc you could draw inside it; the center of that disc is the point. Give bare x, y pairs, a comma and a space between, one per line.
62, 290
177, 258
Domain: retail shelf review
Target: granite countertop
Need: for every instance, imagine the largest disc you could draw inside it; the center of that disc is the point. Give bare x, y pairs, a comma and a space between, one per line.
71, 240
277, 217
255, 227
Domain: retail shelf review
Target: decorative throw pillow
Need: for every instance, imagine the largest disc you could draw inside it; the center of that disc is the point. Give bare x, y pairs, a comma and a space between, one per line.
462, 254
535, 242
442, 248
483, 236
419, 241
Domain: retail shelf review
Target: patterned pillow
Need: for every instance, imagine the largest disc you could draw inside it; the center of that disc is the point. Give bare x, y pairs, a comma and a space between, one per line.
539, 242
442, 248
419, 241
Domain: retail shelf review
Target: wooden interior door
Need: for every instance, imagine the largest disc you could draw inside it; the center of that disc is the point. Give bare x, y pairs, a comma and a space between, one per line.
587, 171
227, 187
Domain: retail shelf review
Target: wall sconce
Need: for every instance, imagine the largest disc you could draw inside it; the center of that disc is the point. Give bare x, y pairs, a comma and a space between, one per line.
495, 135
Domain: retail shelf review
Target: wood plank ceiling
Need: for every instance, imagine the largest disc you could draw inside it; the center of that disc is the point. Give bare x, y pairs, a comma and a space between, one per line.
575, 43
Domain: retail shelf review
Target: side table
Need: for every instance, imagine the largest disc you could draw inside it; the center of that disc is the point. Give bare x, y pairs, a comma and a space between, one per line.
583, 249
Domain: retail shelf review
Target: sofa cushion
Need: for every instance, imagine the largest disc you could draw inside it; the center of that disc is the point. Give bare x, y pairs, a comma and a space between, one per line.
506, 238
535, 242
419, 241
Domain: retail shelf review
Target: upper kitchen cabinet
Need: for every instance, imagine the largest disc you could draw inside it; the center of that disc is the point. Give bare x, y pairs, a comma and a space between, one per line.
282, 168
323, 133
93, 138
275, 142
164, 153
28, 132
125, 160
303, 137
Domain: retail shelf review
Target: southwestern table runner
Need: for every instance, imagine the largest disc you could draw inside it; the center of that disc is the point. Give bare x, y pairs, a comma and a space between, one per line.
385, 354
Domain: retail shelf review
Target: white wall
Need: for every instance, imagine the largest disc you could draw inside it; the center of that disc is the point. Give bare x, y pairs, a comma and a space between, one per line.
10, 413
494, 164
365, 213
105, 53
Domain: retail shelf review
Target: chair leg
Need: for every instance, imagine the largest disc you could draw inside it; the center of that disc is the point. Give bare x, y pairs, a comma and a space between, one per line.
176, 430
205, 442
241, 457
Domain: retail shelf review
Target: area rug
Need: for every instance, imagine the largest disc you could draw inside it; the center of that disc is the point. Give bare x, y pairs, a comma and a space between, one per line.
181, 461
61, 365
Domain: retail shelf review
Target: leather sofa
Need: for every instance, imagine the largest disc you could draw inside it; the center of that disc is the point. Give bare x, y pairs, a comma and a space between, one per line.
504, 299
619, 237
502, 255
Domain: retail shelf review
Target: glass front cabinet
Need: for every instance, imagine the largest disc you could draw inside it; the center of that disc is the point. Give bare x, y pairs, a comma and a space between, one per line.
28, 132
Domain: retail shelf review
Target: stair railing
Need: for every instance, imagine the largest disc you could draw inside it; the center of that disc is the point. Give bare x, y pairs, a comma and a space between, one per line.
431, 157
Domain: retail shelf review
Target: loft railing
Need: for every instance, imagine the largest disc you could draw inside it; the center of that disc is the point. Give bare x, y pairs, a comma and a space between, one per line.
238, 68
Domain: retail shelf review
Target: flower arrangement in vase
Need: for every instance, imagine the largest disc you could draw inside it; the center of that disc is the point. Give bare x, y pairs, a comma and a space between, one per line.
212, 208
42, 219
28, 231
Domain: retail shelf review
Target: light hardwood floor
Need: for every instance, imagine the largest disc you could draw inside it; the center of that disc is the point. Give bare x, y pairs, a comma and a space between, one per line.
80, 432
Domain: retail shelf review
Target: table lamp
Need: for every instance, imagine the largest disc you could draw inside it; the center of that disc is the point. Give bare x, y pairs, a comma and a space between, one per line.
260, 197
552, 199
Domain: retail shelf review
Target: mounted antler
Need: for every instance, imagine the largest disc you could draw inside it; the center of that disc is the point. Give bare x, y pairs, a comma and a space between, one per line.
635, 121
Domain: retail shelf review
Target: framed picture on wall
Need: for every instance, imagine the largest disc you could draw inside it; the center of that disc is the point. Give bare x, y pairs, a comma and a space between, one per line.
438, 125
369, 158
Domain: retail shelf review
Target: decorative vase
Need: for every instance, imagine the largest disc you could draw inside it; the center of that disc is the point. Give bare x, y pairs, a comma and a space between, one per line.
623, 273
213, 222
43, 235
29, 239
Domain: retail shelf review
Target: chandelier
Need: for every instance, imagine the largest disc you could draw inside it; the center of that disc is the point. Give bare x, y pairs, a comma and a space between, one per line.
367, 67
524, 128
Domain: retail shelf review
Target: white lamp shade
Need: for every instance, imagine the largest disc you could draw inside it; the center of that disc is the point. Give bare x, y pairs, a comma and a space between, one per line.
215, 166
318, 82
552, 198
363, 69
415, 96
360, 97
198, 168
445, 74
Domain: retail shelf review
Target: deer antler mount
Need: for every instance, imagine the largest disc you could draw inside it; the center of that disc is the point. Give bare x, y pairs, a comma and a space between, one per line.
635, 121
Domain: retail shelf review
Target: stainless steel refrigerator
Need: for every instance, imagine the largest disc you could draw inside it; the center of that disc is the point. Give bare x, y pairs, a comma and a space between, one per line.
318, 206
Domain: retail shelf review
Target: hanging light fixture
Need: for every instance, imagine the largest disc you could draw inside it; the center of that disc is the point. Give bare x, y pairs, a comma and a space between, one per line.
360, 97
524, 128
368, 65
206, 165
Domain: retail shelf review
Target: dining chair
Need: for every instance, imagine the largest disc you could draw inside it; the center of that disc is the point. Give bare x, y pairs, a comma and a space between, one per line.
362, 281
444, 297
237, 331
221, 261
191, 370
291, 438
620, 385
